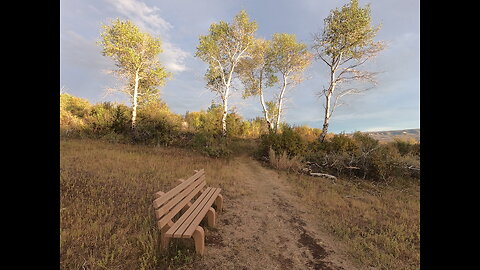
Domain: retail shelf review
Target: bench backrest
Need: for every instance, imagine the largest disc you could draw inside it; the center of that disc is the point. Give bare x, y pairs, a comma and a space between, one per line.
167, 205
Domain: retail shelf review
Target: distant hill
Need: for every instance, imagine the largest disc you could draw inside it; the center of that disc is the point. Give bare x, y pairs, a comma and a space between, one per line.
387, 136
390, 135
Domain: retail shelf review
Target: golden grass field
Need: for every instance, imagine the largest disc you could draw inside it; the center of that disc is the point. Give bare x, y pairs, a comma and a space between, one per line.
107, 221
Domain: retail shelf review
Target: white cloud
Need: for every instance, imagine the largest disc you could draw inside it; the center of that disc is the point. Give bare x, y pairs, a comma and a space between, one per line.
148, 19
173, 57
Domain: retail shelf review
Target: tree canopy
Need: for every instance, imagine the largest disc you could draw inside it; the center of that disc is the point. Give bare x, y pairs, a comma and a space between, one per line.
347, 42
223, 48
135, 54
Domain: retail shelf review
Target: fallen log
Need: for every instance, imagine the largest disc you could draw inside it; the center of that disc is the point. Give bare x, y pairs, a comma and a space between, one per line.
324, 175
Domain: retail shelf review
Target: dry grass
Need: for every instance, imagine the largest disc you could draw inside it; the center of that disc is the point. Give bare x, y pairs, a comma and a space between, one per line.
283, 162
107, 221
379, 224
106, 191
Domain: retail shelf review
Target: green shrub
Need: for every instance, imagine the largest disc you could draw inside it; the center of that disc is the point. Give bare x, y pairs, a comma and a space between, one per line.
210, 122
382, 162
212, 145
234, 125
406, 147
194, 120
342, 143
307, 133
156, 125
287, 140
205, 121
100, 119
121, 119
360, 155
78, 107
365, 141
72, 111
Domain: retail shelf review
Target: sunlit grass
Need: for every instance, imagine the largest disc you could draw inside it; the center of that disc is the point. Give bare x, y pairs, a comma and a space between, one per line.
106, 191
107, 221
379, 224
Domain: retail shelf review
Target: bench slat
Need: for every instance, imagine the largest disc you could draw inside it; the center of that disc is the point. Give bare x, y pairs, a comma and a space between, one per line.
170, 194
196, 216
193, 225
193, 210
187, 217
164, 220
170, 204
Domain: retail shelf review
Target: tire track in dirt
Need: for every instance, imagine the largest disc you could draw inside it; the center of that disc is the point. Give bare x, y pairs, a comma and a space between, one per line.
267, 228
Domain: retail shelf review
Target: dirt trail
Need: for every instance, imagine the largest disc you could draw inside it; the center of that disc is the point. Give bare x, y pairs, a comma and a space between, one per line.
267, 229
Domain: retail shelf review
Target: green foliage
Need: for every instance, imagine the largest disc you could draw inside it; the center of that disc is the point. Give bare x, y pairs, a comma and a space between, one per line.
235, 125
289, 59
224, 40
287, 140
257, 126
307, 133
121, 119
209, 122
345, 44
360, 155
256, 72
72, 111
205, 121
288, 56
213, 145
133, 50
348, 32
382, 162
406, 147
78, 107
156, 124
272, 108
341, 143
222, 49
367, 143
136, 56
107, 117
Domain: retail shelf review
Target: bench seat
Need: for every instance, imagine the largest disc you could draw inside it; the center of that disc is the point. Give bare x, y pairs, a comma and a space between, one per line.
188, 222
178, 202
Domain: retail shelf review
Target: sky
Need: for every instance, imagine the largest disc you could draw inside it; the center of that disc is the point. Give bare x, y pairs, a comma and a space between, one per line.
393, 104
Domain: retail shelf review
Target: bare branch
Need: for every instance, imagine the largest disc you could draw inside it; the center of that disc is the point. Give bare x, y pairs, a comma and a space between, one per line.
328, 64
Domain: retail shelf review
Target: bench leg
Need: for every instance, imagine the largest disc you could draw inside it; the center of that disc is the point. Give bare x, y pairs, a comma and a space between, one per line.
211, 217
199, 238
219, 202
164, 241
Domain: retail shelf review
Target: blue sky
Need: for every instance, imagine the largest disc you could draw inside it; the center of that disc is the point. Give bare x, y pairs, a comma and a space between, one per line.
393, 104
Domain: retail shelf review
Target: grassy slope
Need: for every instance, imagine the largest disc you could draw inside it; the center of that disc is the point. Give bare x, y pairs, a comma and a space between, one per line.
379, 224
107, 220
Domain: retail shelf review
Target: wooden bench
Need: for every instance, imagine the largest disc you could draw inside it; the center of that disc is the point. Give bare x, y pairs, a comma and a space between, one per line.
192, 202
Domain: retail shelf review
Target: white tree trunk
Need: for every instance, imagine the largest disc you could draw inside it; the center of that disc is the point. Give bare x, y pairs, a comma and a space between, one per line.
265, 111
328, 98
225, 100
225, 112
280, 101
135, 99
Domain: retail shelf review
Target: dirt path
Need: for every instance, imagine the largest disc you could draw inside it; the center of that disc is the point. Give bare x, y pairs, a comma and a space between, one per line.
267, 229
